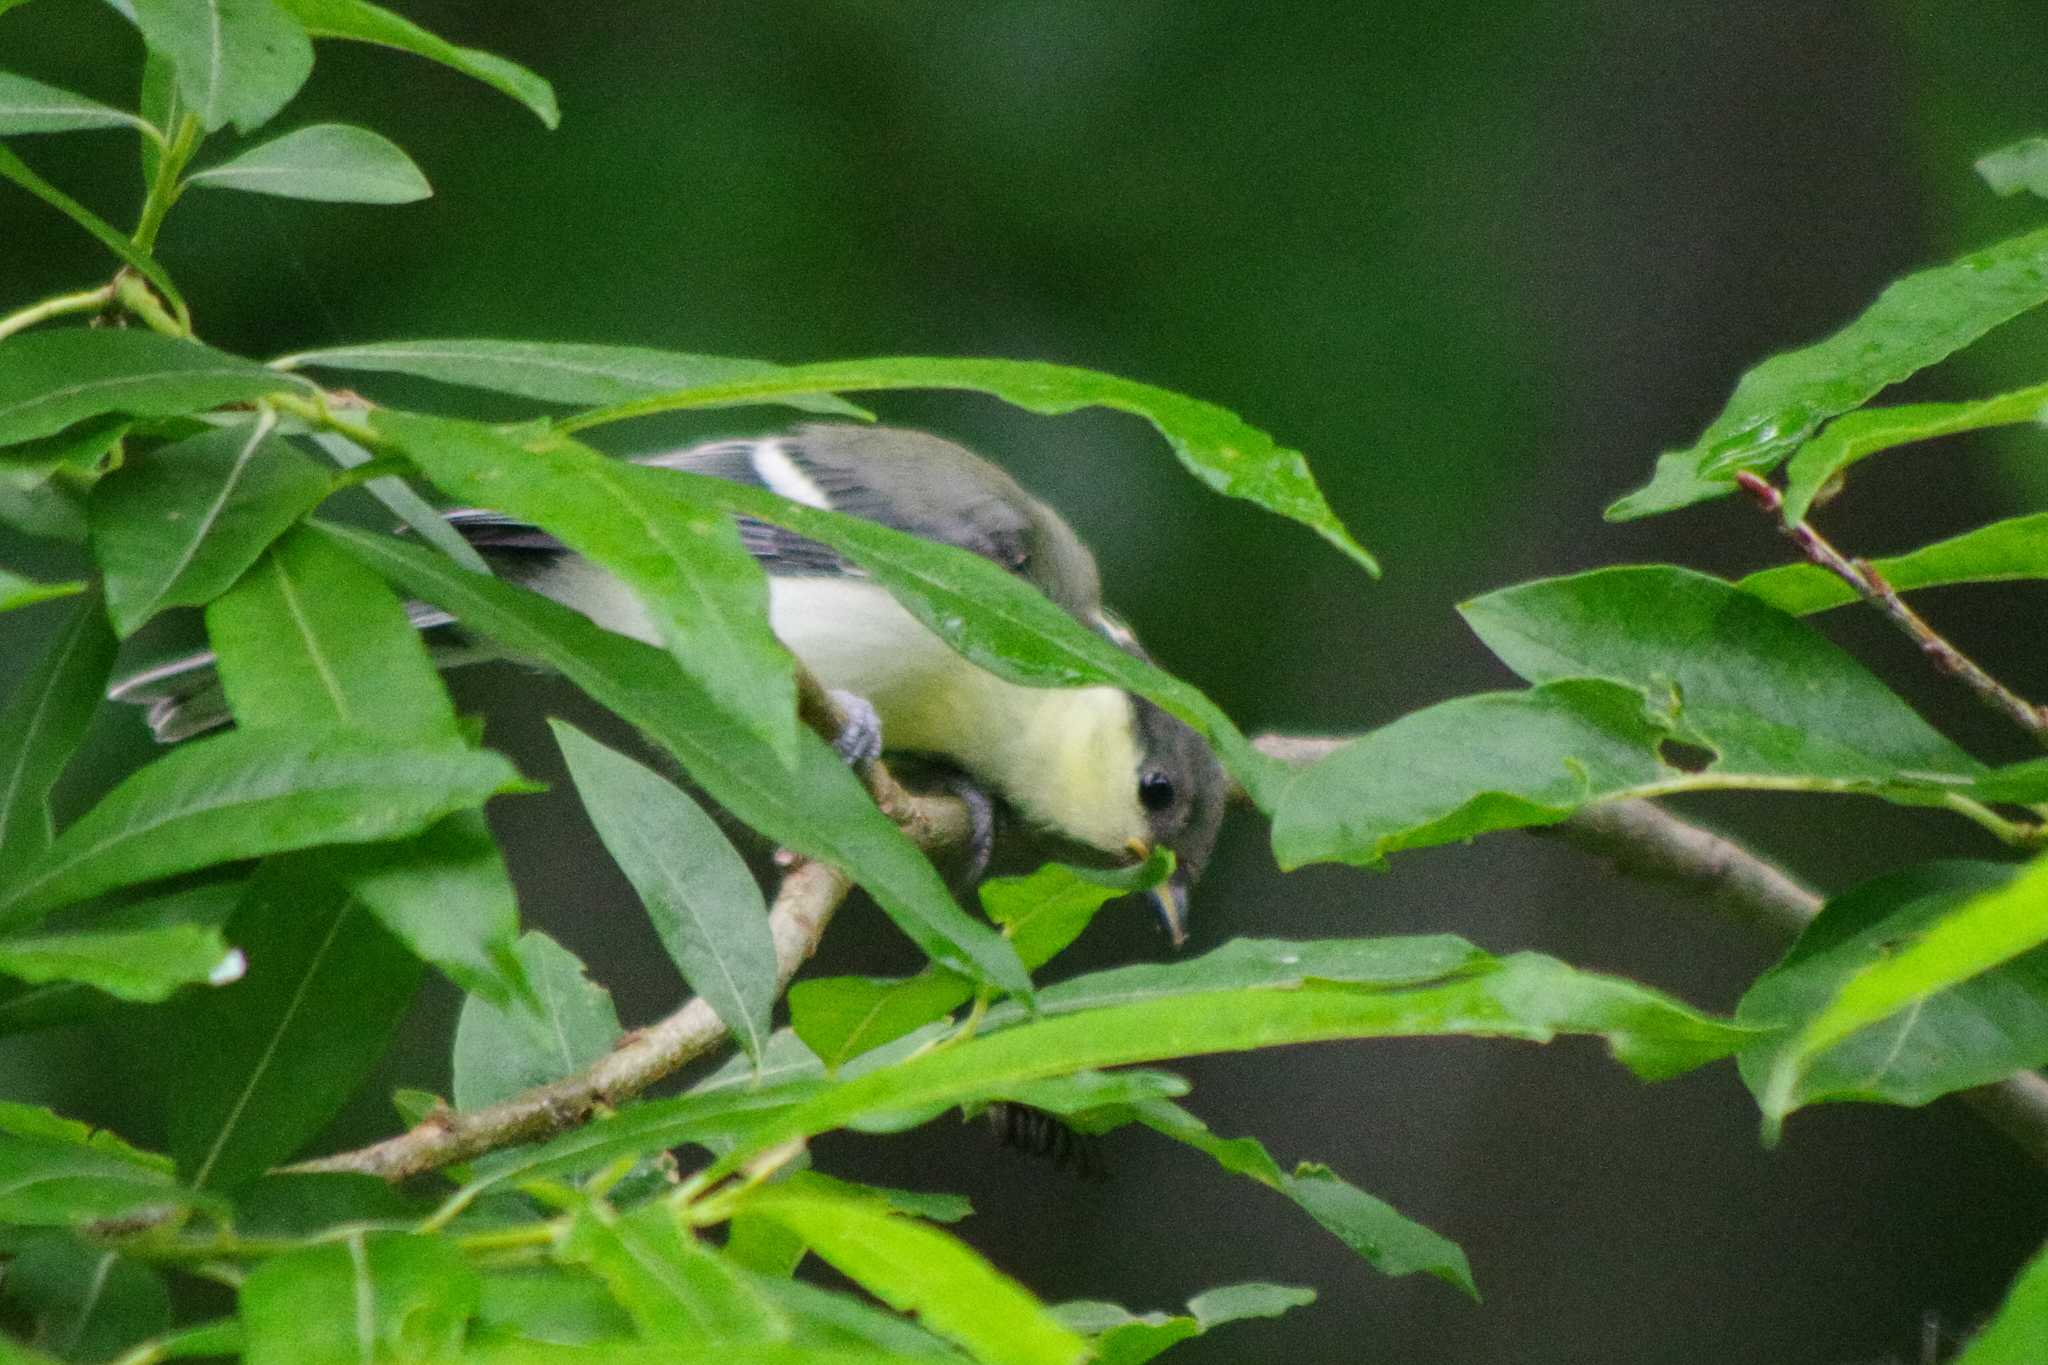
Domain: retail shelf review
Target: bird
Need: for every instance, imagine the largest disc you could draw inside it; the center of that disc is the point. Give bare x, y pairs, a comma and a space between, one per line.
1093, 766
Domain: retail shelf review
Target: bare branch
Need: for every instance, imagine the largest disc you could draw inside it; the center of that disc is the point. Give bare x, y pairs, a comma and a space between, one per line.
1871, 586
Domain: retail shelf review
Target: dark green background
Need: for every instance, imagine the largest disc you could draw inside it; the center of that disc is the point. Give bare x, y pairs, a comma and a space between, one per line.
1481, 262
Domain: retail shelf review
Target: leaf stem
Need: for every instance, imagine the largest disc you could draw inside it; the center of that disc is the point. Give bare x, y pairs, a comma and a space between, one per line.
1870, 585
165, 187
84, 301
132, 292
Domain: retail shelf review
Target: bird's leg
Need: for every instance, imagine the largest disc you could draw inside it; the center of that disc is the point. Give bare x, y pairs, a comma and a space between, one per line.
981, 816
859, 741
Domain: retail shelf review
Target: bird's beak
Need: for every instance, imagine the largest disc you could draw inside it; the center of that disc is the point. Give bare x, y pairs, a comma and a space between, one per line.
1170, 900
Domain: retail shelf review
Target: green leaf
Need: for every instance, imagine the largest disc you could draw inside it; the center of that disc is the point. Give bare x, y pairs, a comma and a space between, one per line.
419, 515
2003, 552
373, 24
50, 379
42, 725
675, 1288
707, 596
1215, 445
84, 1302
838, 1329
369, 1297
565, 372
1954, 942
544, 1303
249, 793
2015, 1333
1976, 1032
841, 1017
703, 902
267, 1061
820, 810
448, 897
1280, 993
200, 909
310, 639
1914, 323
1766, 693
1125, 1338
141, 964
43, 482
14, 168
55, 1179
179, 526
1500, 760
221, 1337
2023, 165
916, 1268
29, 106
1857, 435
238, 61
334, 163
990, 616
500, 1051
1390, 1242
17, 592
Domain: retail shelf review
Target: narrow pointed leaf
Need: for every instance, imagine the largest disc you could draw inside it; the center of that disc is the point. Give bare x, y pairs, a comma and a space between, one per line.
42, 724
193, 914
419, 515
1125, 1338
309, 638
269, 1060
1766, 693
1526, 996
141, 964
1916, 322
56, 1172
707, 597
2003, 552
501, 1050
1856, 436
237, 61
1958, 943
179, 526
918, 1269
246, 794
562, 371
15, 169
704, 903
1214, 445
30, 106
50, 379
330, 162
17, 592
820, 809
367, 23
383, 1296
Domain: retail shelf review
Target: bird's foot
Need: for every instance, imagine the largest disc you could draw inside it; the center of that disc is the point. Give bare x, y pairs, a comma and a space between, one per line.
859, 741
981, 824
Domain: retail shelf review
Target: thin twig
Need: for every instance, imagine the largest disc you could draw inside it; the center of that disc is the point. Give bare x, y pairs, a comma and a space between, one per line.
1870, 585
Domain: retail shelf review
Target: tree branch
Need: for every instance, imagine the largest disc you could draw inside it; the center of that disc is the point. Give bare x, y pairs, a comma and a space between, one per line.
1871, 586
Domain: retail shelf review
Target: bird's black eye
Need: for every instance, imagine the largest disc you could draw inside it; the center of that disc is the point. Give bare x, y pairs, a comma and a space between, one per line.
1155, 791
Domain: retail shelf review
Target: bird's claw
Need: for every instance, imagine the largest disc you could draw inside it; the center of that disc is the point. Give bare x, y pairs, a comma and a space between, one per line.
859, 740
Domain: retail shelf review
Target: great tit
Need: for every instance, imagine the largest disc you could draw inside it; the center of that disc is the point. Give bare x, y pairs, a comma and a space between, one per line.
1096, 766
